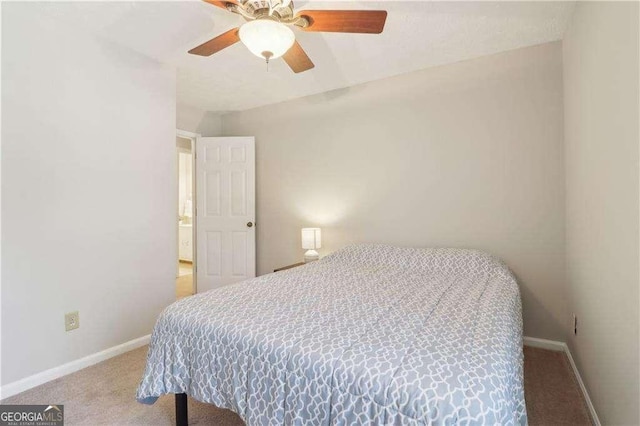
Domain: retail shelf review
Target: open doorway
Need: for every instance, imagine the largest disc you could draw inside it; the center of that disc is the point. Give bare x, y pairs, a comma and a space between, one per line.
185, 276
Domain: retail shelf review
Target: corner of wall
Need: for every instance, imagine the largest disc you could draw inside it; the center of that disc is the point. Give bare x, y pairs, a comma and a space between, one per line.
197, 120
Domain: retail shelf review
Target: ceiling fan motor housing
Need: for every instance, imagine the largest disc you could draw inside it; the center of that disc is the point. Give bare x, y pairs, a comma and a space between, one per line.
279, 9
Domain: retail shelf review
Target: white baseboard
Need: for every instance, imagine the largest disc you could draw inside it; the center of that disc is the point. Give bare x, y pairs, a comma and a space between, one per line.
38, 379
563, 347
551, 345
583, 388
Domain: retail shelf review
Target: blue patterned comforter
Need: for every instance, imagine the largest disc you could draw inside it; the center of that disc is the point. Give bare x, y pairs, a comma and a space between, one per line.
371, 334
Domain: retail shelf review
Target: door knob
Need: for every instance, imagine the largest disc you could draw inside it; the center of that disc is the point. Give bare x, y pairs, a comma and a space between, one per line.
249, 224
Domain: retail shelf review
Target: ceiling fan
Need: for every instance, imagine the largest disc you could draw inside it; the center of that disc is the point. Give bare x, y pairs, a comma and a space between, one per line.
267, 34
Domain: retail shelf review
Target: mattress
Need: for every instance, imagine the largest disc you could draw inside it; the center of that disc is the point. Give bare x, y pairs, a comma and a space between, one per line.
371, 334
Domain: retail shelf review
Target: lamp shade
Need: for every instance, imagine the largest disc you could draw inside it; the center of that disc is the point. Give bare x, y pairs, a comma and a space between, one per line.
311, 238
266, 38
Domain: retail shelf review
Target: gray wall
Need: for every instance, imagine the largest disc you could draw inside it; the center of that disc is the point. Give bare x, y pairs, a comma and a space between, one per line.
191, 119
88, 160
463, 155
601, 117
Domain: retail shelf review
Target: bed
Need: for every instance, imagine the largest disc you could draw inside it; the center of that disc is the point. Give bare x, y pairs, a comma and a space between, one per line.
371, 334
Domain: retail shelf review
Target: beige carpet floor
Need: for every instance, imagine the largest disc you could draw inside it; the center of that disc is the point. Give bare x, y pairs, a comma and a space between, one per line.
104, 395
551, 390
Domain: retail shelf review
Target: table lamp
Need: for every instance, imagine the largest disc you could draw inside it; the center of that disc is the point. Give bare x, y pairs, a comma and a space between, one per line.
311, 240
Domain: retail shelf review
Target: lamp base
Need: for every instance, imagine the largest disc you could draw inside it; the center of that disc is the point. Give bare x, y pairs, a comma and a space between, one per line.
311, 255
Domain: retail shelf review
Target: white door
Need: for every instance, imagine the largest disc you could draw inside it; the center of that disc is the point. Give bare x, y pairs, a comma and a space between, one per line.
226, 233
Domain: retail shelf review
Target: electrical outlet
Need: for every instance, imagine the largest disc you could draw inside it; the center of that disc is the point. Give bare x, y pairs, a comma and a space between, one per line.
71, 321
575, 324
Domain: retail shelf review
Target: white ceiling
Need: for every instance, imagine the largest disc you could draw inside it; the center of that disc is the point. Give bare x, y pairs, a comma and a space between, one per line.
418, 34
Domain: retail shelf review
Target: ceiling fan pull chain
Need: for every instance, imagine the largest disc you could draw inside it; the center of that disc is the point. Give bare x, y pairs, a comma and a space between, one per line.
267, 55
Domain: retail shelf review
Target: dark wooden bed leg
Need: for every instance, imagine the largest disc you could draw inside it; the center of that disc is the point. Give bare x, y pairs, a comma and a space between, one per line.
182, 419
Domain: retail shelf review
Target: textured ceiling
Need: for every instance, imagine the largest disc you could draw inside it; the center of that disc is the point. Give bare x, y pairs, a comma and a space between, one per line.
417, 35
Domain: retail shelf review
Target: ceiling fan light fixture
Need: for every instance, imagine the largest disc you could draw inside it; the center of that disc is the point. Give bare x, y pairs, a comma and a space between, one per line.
266, 39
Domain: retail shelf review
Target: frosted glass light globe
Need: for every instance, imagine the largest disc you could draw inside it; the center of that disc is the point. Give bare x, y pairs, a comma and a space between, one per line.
266, 38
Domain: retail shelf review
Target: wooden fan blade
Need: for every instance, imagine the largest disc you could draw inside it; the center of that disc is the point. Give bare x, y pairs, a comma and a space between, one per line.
345, 21
221, 4
297, 59
216, 44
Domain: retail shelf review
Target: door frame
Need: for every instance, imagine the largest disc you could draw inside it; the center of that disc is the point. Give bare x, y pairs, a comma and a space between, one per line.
193, 137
